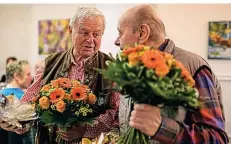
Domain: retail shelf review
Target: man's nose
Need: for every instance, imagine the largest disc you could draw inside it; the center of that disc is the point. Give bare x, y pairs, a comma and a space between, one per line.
117, 42
90, 38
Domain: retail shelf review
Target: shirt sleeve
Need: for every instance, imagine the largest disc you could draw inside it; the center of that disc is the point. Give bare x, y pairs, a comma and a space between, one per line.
205, 125
34, 88
105, 122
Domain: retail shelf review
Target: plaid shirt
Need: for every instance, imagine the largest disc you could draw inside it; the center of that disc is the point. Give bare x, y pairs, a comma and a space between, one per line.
206, 126
104, 122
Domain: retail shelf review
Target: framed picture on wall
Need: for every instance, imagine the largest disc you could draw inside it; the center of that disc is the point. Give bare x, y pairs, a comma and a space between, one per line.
219, 45
53, 36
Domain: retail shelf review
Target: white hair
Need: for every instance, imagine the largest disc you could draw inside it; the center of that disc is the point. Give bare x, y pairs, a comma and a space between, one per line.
86, 12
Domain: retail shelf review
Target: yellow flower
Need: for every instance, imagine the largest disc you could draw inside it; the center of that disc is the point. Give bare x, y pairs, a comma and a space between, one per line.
77, 113
46, 88
90, 110
169, 58
84, 113
133, 58
44, 102
53, 107
61, 106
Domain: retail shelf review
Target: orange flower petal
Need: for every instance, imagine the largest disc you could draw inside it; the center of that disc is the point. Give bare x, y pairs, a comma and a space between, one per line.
46, 88
152, 58
133, 58
91, 99
44, 102
61, 106
57, 95
78, 93
65, 82
162, 70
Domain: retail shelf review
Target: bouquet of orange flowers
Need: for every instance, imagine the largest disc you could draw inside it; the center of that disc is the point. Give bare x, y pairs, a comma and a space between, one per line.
65, 102
149, 76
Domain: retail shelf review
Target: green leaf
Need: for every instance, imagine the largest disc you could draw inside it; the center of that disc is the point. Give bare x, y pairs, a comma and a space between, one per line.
150, 73
47, 117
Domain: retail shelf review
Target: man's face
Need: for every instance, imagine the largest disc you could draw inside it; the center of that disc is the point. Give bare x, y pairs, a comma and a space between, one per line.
126, 36
24, 79
86, 36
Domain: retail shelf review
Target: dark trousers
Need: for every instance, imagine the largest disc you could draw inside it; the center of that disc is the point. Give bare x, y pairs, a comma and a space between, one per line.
7, 137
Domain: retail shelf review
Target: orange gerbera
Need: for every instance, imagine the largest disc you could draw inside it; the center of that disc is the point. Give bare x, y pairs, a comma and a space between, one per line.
185, 73
57, 95
179, 65
75, 83
162, 70
127, 51
84, 86
65, 82
46, 88
152, 58
133, 58
191, 82
78, 93
55, 83
91, 99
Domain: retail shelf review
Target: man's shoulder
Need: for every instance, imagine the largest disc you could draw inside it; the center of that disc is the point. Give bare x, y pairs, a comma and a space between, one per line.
192, 61
56, 55
105, 56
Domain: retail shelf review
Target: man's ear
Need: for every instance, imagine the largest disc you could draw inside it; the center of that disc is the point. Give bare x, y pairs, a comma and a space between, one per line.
16, 76
144, 30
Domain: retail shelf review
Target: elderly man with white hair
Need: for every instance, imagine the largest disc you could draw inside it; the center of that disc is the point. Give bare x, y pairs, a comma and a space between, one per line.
86, 29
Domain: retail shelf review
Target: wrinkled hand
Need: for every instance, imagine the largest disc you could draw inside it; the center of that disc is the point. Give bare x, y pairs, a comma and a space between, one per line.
72, 133
146, 118
7, 127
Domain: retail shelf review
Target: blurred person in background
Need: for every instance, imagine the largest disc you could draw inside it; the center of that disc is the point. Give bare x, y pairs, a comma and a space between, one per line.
9, 60
18, 77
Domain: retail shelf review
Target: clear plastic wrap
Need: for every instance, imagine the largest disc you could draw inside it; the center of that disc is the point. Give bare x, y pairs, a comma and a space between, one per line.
15, 112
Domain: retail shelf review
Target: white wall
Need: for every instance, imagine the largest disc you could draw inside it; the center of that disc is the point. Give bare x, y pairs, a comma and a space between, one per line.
187, 25
15, 37
46, 12
19, 28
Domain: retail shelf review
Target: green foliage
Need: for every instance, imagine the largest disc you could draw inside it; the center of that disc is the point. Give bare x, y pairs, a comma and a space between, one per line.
142, 85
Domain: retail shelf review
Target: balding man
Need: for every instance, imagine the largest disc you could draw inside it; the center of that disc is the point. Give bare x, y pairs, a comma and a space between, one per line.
141, 25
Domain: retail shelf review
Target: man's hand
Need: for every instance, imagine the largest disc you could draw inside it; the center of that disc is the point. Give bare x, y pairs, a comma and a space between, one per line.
146, 118
72, 133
